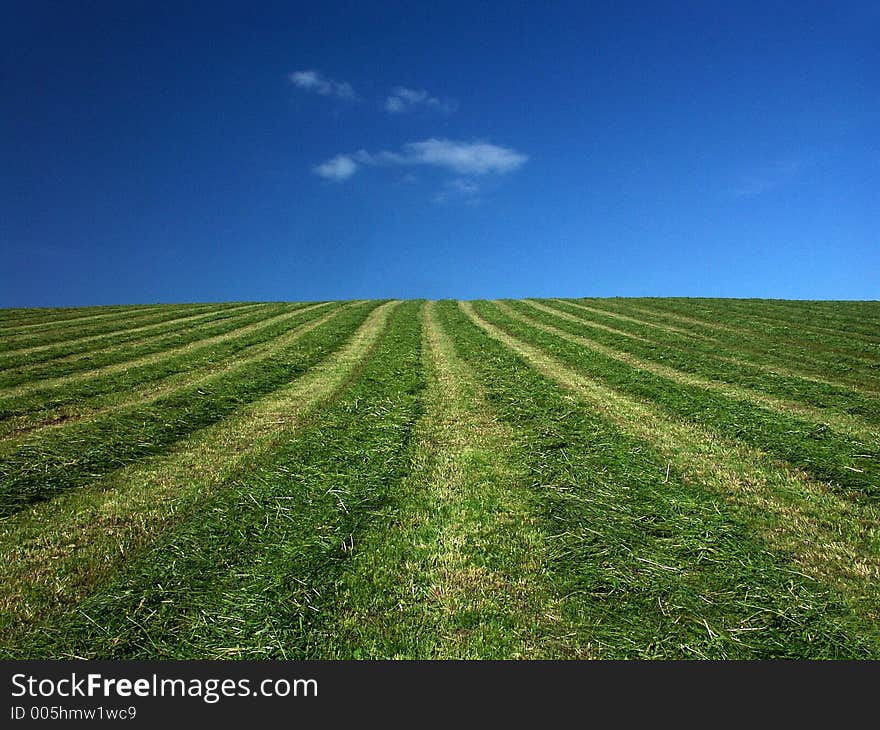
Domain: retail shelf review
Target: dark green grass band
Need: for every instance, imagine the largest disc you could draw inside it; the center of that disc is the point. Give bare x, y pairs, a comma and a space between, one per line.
748, 347
64, 401
847, 317
88, 352
697, 359
105, 326
255, 570
812, 323
818, 450
748, 344
123, 346
651, 568
12, 320
73, 456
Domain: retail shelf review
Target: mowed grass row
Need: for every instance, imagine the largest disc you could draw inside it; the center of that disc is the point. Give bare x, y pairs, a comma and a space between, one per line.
253, 574
435, 480
455, 566
650, 562
812, 324
17, 317
807, 354
845, 409
856, 325
104, 325
12, 320
848, 464
76, 396
716, 360
60, 550
28, 330
741, 345
838, 318
80, 348
730, 345
46, 372
63, 459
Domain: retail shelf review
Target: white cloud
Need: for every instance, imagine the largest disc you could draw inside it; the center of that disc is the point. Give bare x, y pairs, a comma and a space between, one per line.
465, 159
403, 99
462, 158
317, 83
338, 168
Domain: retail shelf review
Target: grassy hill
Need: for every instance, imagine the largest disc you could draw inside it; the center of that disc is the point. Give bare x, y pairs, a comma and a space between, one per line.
590, 478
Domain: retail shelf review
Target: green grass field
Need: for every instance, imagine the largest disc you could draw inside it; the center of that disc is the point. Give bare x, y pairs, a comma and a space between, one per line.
559, 478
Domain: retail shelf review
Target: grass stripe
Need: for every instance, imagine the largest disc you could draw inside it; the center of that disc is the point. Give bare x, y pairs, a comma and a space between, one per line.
68, 458
843, 422
744, 317
805, 313
742, 353
31, 319
77, 345
657, 314
819, 344
753, 360
52, 376
237, 579
626, 318
849, 465
795, 359
655, 564
122, 322
59, 551
829, 525
453, 568
52, 371
20, 321
93, 398
42, 313
589, 323
812, 316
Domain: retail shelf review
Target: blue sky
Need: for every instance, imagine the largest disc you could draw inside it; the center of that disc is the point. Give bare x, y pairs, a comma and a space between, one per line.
169, 152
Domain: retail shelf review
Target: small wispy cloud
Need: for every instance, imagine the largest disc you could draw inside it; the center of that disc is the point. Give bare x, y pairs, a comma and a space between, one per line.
471, 162
462, 158
316, 83
403, 100
767, 178
465, 158
338, 168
